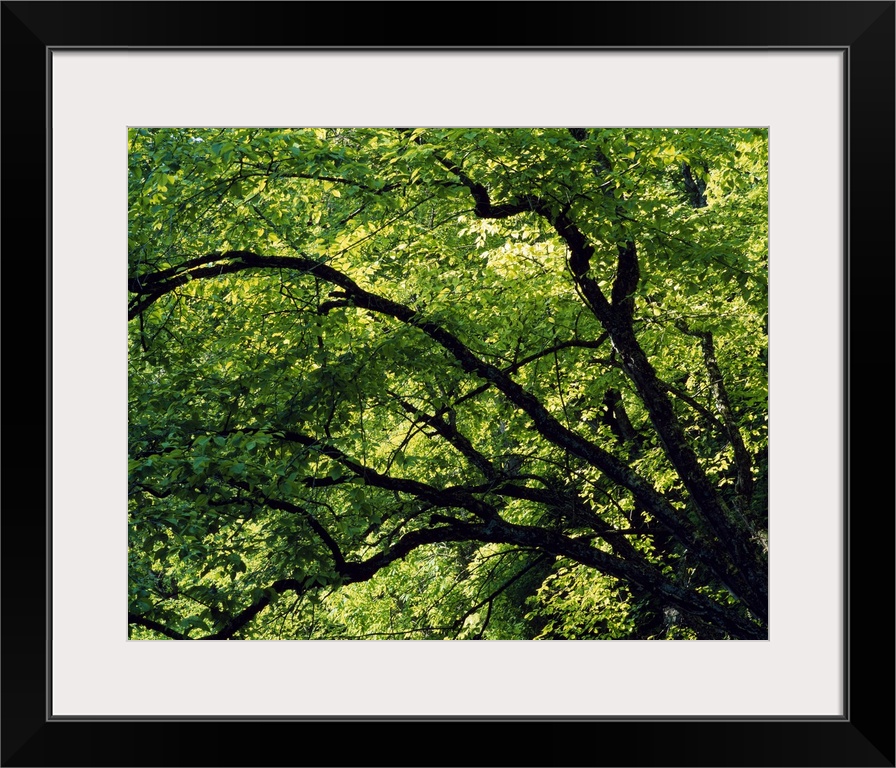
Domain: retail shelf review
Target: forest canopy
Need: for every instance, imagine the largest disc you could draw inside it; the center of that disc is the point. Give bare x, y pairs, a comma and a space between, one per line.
461, 383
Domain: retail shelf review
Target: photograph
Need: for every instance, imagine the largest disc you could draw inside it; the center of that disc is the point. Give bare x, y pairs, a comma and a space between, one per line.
558, 322
442, 384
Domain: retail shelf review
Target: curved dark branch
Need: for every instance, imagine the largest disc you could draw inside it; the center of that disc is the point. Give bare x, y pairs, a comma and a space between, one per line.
324, 535
570, 344
453, 496
236, 623
627, 276
638, 573
742, 460
448, 430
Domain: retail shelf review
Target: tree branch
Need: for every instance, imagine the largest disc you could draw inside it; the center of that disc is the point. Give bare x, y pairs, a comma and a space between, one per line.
742, 460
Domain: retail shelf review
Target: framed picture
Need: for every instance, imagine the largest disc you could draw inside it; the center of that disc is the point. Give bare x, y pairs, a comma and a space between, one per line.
818, 77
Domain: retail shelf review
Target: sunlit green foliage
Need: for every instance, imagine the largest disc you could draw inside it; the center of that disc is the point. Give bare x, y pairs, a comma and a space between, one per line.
447, 383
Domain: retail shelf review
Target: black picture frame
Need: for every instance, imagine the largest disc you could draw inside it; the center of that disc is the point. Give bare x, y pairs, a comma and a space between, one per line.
864, 736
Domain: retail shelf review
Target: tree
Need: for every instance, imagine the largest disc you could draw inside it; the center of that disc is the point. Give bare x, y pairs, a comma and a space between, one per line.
459, 383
